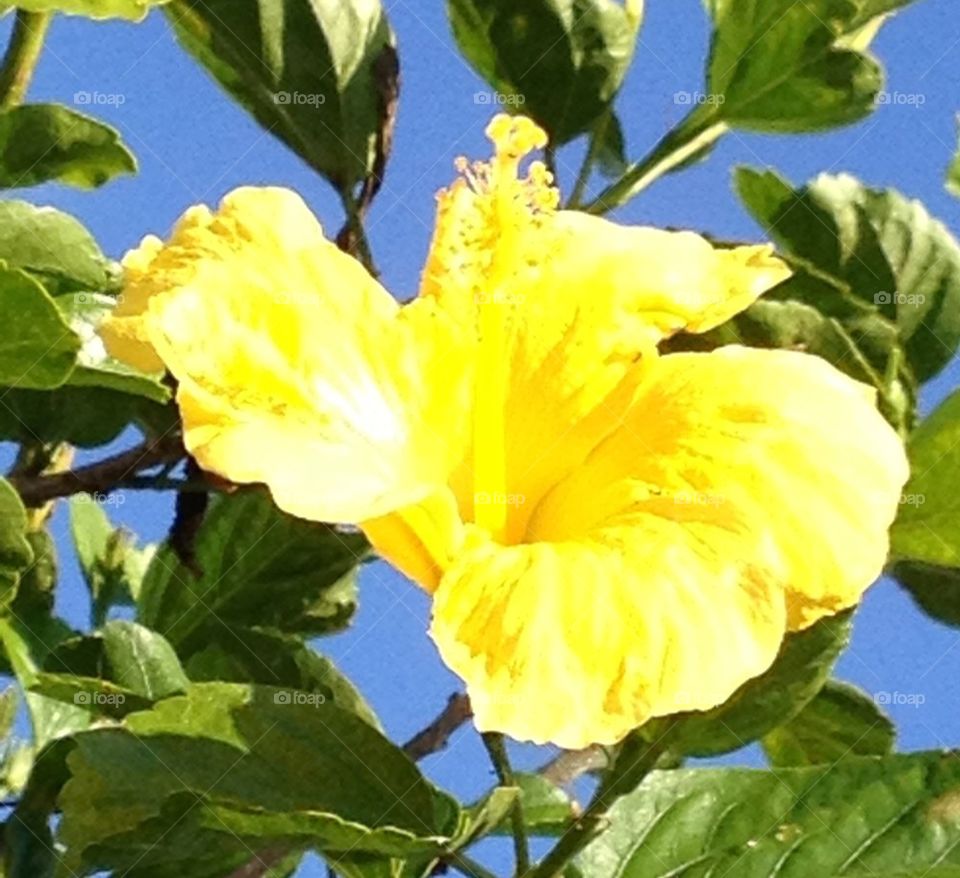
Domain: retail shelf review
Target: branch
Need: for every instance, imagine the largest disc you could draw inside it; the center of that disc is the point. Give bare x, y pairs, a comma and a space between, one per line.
101, 477
436, 735
571, 764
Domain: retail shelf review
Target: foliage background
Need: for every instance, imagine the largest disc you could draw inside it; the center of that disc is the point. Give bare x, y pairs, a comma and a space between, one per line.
194, 145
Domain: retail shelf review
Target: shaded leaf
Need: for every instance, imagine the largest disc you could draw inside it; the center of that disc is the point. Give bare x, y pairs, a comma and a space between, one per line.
259, 567
927, 529
840, 721
796, 676
84, 416
15, 550
893, 816
271, 658
561, 62
925, 538
206, 769
953, 174
782, 66
306, 71
37, 347
44, 142
884, 248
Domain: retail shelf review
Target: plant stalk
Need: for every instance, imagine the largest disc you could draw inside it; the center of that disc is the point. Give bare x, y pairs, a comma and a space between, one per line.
22, 55
497, 748
696, 133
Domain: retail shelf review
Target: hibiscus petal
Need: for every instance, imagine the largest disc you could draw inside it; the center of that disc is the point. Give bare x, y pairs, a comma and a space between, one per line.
747, 493
295, 367
778, 439
565, 306
576, 643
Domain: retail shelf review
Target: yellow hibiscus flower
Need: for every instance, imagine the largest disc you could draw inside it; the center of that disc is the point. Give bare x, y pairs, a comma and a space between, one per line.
608, 534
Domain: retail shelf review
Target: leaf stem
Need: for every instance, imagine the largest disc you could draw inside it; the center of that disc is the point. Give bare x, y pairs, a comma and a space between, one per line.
497, 748
697, 132
353, 237
22, 55
589, 160
637, 758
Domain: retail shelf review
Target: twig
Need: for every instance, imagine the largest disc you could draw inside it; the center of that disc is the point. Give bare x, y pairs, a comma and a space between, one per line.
101, 477
436, 735
571, 764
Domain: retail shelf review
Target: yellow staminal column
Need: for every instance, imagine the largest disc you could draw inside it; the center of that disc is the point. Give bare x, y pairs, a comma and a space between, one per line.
509, 213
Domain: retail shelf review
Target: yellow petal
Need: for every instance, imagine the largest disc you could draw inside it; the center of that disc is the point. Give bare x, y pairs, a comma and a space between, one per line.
746, 493
778, 439
421, 540
659, 281
568, 309
295, 367
578, 642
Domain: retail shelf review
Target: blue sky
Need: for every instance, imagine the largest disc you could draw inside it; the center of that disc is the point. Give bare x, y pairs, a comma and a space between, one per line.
194, 145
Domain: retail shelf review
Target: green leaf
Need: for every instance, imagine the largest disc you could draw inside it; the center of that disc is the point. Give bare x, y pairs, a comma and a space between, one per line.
259, 567
782, 66
884, 248
925, 538
612, 148
31, 611
84, 416
122, 668
112, 566
52, 245
547, 809
561, 62
861, 817
271, 658
927, 529
315, 73
44, 142
134, 791
16, 552
759, 705
95, 368
37, 347
142, 661
133, 10
953, 173
840, 721
51, 717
